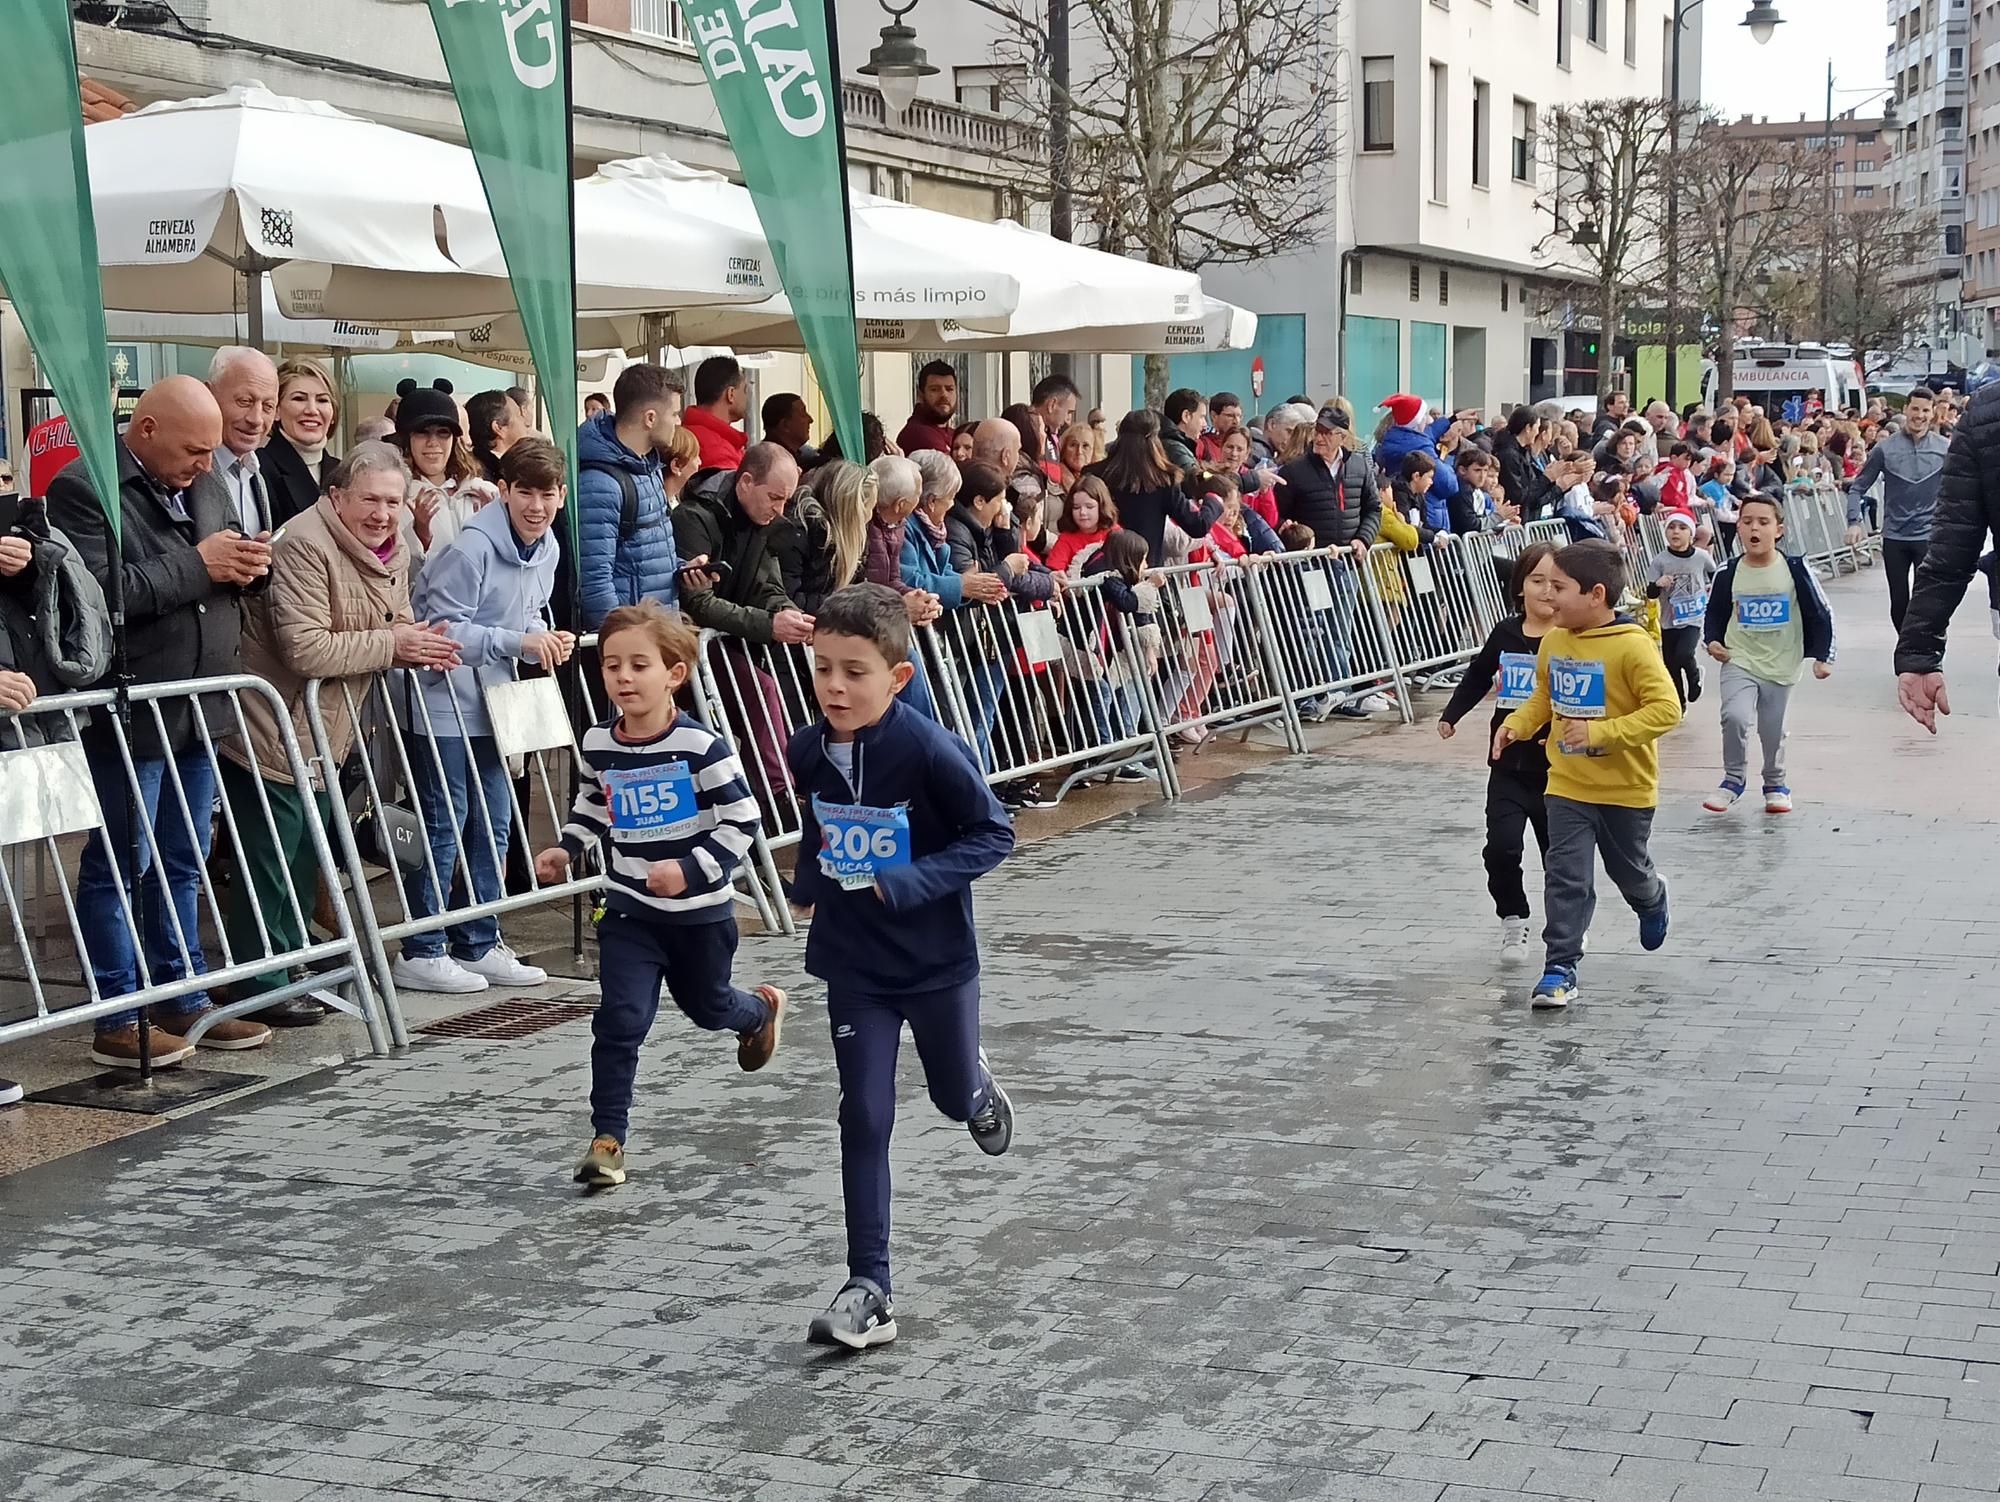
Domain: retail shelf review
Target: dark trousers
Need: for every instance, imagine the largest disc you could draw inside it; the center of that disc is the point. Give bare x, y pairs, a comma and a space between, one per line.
1513, 806
634, 955
1900, 561
867, 1032
271, 901
1681, 647
1580, 834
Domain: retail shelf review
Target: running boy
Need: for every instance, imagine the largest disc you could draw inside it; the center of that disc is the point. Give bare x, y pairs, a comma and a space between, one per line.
667, 798
897, 825
1518, 778
1599, 674
1766, 616
1681, 578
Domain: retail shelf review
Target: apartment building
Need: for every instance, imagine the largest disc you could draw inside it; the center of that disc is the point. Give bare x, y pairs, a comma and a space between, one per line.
1980, 290
1855, 160
1929, 64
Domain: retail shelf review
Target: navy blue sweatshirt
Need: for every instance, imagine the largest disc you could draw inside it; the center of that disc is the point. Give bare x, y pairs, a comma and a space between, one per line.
918, 934
1529, 758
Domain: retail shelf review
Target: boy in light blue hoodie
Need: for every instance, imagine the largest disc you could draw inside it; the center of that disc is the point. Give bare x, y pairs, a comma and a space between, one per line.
489, 590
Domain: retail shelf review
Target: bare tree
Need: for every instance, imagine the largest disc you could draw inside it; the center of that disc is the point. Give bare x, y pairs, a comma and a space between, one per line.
1743, 215
1879, 294
1197, 133
1609, 168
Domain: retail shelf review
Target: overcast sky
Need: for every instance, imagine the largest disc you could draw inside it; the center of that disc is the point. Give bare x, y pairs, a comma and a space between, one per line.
1788, 77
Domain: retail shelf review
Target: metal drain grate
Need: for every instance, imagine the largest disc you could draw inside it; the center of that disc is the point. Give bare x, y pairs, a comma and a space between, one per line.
508, 1019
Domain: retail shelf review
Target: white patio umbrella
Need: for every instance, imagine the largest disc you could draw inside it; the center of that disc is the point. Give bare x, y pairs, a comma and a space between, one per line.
907, 266
1214, 326
234, 328
197, 200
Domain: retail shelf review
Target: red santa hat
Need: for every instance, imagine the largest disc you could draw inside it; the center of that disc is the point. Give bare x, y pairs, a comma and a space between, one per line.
1407, 410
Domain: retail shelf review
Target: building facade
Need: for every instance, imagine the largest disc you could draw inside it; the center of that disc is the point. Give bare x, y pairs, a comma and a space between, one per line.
1980, 294
1929, 66
1855, 149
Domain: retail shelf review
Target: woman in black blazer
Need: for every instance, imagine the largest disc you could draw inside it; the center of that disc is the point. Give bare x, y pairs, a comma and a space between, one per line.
295, 461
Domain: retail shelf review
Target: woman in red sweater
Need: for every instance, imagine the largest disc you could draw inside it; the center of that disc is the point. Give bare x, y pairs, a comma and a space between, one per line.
1089, 516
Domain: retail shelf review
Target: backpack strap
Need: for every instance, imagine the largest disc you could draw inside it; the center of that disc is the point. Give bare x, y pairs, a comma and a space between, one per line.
628, 491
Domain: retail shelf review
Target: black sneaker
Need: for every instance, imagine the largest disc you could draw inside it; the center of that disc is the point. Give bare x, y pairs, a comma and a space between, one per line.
1131, 772
10, 1092
860, 1316
1027, 795
992, 1125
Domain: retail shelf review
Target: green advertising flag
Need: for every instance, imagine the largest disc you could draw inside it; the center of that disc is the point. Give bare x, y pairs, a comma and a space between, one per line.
509, 66
772, 67
48, 254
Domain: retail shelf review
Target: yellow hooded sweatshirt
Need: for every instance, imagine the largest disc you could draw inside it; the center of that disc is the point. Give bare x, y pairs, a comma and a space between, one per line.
1611, 678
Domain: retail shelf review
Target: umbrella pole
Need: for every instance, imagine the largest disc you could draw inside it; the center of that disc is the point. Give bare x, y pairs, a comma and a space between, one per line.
253, 305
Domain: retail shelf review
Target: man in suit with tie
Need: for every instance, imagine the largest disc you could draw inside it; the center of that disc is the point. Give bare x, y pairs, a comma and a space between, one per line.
244, 384
183, 562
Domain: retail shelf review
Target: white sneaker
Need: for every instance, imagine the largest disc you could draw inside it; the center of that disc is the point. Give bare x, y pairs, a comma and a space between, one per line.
1723, 799
1777, 800
1375, 703
440, 973
10, 1092
502, 967
1513, 940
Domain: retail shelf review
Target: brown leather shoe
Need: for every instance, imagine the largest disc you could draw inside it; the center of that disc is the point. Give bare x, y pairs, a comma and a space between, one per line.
754, 1049
233, 1035
119, 1048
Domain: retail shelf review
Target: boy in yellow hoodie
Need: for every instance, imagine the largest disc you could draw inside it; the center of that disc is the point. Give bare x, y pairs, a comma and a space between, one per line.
1600, 677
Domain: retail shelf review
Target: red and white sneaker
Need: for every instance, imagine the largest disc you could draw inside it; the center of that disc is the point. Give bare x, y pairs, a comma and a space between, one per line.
1777, 800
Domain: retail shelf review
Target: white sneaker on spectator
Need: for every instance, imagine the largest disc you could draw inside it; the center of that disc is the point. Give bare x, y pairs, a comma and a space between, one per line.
10, 1092
1376, 703
1514, 945
502, 967
439, 973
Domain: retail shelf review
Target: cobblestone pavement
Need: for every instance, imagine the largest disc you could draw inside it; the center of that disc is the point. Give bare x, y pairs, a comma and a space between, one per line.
1305, 1203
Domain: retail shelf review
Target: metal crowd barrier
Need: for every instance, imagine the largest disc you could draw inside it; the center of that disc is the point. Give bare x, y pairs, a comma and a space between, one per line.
1439, 603
53, 796
1326, 631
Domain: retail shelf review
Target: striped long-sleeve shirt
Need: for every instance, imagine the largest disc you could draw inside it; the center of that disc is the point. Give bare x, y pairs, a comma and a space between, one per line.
679, 797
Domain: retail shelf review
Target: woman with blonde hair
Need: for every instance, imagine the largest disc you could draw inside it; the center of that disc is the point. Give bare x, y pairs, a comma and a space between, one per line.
682, 459
295, 461
830, 533
1076, 451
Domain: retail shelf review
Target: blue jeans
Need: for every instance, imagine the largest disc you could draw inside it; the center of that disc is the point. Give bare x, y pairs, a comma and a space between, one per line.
634, 955
1333, 630
917, 692
451, 810
987, 681
169, 852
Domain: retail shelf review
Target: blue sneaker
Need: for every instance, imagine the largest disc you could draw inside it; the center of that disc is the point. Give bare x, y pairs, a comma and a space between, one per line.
1653, 925
1555, 990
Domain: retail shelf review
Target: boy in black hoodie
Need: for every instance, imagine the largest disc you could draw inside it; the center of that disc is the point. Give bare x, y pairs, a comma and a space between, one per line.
897, 823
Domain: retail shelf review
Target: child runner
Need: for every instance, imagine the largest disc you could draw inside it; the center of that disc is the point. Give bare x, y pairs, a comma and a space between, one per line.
1681, 578
1517, 778
668, 799
898, 824
1765, 618
1604, 683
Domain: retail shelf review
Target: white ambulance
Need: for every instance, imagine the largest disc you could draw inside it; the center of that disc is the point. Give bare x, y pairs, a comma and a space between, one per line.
1775, 376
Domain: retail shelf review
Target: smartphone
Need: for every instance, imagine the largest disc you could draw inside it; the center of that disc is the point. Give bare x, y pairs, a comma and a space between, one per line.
717, 567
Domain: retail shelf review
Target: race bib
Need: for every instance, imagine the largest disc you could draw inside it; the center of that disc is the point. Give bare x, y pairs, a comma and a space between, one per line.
1576, 685
1688, 609
1517, 679
652, 802
858, 843
1763, 612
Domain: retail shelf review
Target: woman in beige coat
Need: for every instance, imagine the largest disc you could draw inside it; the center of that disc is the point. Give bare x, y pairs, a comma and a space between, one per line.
338, 607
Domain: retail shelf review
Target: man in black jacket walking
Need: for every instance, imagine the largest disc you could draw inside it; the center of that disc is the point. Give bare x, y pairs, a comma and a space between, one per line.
183, 563
1340, 495
1968, 512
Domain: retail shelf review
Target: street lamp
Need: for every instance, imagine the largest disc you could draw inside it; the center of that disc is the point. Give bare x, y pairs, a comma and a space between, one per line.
896, 63
1763, 22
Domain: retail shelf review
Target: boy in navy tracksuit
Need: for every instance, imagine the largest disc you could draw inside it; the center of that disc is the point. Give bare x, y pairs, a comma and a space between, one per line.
897, 825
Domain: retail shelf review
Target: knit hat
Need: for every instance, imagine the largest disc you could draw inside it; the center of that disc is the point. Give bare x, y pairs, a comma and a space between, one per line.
1406, 409
426, 407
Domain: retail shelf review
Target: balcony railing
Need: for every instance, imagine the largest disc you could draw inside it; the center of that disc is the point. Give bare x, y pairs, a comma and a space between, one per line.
944, 125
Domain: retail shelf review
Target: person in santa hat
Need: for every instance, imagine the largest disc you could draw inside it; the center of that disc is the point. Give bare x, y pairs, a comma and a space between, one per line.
1414, 433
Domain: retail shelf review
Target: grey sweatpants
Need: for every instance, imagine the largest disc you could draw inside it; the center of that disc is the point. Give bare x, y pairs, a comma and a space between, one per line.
1579, 834
1747, 698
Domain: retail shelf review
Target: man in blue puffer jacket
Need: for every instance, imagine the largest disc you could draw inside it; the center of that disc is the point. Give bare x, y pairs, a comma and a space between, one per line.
627, 540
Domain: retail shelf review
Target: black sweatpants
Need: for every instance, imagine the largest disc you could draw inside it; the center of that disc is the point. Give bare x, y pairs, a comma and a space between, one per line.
1900, 561
1513, 806
1681, 647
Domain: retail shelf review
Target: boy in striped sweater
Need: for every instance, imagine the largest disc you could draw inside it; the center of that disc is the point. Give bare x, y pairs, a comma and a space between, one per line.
667, 799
